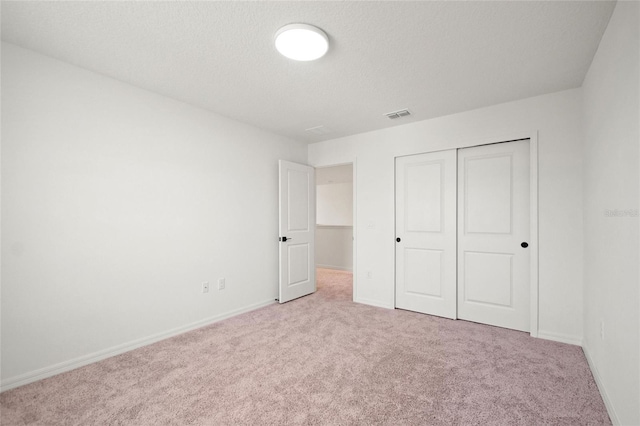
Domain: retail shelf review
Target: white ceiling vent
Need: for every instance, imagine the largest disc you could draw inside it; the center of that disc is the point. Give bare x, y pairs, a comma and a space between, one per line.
397, 114
319, 130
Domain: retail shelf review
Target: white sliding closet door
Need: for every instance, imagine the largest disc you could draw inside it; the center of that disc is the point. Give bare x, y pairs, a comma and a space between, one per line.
426, 233
493, 235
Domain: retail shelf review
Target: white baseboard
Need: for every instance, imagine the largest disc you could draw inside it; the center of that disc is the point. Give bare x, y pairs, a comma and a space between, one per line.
605, 397
52, 370
337, 268
558, 337
375, 303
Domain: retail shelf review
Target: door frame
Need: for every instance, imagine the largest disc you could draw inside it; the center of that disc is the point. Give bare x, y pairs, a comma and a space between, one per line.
534, 289
354, 240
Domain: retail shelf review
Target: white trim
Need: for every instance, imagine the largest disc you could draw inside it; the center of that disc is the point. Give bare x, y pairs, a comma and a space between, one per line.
559, 337
52, 370
334, 267
395, 232
319, 226
605, 396
355, 221
375, 303
534, 285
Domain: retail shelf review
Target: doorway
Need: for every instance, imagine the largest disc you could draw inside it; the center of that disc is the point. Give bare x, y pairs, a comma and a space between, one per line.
334, 218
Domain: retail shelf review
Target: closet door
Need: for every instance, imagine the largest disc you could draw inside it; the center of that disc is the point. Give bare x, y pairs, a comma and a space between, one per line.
493, 235
426, 233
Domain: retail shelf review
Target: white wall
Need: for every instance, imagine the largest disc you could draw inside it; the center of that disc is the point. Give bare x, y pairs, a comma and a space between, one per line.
556, 117
334, 204
334, 247
117, 204
334, 233
611, 117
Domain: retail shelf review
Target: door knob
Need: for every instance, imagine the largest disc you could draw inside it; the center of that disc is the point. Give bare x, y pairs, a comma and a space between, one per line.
524, 245
283, 239
398, 239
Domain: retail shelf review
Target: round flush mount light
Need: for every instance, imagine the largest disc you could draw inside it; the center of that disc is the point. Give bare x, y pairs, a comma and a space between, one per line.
301, 42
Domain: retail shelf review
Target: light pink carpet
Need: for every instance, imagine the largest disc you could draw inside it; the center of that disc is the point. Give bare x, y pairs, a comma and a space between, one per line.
323, 359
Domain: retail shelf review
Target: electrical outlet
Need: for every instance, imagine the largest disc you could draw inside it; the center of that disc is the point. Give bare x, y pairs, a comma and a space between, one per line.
205, 287
221, 283
369, 275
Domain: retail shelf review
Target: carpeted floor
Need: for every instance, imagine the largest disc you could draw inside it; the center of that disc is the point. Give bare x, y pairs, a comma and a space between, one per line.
323, 359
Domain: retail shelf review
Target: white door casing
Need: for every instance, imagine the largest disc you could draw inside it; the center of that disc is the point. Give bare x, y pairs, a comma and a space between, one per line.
426, 233
493, 222
297, 223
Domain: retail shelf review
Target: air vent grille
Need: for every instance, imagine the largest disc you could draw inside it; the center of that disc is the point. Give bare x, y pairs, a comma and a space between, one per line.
398, 114
319, 130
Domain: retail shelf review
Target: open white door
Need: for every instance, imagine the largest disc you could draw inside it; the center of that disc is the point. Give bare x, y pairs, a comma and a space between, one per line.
297, 230
426, 233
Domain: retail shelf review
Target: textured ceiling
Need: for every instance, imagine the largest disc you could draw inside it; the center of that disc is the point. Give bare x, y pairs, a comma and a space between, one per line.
435, 58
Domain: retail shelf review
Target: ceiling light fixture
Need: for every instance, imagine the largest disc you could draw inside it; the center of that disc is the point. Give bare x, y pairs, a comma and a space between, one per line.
301, 42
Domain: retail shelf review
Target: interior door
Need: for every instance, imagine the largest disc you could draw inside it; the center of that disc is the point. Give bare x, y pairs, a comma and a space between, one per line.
297, 199
493, 235
426, 233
